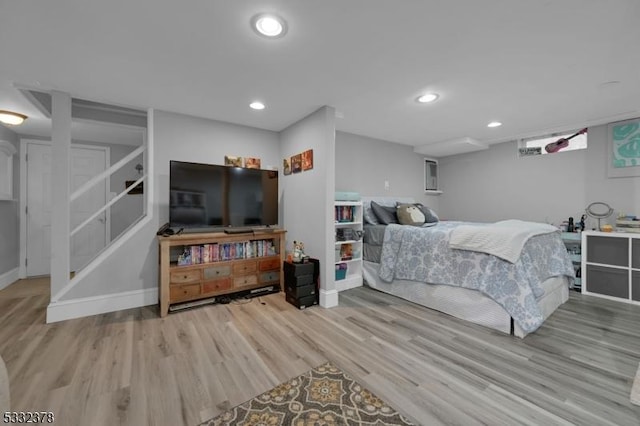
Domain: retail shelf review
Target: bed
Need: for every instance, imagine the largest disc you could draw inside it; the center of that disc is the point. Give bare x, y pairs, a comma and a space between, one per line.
417, 263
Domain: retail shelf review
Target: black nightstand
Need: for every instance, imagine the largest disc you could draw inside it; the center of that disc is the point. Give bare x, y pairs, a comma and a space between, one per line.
301, 283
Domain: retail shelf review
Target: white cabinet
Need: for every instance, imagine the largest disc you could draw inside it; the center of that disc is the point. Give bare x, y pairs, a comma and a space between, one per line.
348, 244
573, 241
611, 265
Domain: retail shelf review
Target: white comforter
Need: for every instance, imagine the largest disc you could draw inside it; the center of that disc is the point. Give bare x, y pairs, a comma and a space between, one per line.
504, 239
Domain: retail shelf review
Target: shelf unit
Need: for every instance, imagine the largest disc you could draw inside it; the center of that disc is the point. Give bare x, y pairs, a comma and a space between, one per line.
573, 242
611, 265
255, 263
348, 244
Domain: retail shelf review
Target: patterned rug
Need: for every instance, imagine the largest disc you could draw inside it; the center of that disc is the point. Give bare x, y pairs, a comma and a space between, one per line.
635, 389
322, 396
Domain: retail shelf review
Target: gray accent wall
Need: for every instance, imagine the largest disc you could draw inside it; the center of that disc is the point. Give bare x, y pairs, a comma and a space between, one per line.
496, 184
9, 227
363, 165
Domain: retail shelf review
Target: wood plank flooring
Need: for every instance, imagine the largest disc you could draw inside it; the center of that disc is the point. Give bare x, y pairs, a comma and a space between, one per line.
134, 368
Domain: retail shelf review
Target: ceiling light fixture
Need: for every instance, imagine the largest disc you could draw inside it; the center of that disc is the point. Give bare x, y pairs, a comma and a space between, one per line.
427, 97
12, 118
494, 124
256, 105
268, 25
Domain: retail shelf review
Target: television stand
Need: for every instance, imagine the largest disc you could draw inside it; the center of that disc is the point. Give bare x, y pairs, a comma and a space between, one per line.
220, 266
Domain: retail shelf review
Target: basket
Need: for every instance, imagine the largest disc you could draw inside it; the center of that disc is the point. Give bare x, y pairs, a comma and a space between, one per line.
341, 271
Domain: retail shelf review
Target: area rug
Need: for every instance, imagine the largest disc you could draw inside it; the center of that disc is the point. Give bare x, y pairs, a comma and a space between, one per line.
322, 396
635, 389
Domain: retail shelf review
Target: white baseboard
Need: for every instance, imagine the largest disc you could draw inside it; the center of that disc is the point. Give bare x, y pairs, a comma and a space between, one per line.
9, 278
87, 306
328, 298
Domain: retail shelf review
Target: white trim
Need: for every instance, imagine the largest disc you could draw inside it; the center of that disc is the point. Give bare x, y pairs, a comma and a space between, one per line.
87, 306
8, 278
328, 298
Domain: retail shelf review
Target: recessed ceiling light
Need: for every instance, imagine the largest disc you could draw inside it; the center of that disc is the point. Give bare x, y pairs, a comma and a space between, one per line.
13, 118
427, 97
256, 105
268, 25
494, 124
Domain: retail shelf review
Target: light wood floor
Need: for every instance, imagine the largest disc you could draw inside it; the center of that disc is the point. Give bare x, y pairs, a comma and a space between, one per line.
133, 368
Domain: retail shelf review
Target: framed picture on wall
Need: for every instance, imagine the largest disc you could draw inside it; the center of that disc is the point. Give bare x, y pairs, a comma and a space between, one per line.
296, 163
286, 166
307, 160
232, 161
623, 149
252, 163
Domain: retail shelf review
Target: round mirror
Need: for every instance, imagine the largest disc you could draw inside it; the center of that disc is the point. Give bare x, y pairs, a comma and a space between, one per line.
599, 210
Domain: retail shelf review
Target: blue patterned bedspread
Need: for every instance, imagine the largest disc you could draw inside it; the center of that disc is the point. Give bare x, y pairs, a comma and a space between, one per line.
423, 254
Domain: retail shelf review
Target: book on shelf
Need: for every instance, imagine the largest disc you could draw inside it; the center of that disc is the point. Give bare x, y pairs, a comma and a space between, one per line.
217, 252
344, 213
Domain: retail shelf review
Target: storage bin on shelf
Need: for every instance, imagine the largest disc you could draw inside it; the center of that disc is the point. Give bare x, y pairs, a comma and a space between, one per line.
341, 271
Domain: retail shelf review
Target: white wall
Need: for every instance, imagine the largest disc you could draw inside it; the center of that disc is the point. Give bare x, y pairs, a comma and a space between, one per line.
363, 165
9, 229
496, 184
134, 265
307, 197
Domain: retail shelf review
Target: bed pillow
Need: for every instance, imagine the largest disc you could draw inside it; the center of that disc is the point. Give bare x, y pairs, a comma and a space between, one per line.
429, 215
368, 214
385, 215
410, 214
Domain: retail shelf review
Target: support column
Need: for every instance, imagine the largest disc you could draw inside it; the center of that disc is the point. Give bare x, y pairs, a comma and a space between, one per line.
60, 206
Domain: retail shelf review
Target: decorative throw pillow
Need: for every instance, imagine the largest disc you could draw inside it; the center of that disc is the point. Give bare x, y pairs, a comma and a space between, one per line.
385, 215
429, 215
368, 214
409, 214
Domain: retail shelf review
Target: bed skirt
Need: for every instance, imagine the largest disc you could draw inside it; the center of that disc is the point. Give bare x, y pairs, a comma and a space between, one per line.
466, 304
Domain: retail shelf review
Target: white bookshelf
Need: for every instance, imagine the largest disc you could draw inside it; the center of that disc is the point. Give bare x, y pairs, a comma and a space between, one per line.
348, 220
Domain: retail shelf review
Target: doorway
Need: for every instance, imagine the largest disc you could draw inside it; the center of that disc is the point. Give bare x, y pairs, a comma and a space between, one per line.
86, 162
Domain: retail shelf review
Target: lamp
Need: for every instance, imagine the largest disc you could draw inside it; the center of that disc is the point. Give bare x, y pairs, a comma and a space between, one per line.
139, 168
13, 118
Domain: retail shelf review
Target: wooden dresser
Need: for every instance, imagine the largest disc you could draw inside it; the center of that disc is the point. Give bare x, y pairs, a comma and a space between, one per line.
220, 264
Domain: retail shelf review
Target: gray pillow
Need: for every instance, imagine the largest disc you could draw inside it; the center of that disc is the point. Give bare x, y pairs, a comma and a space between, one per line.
429, 215
368, 214
385, 215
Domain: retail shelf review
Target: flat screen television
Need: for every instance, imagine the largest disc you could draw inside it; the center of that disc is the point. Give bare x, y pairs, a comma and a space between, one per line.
207, 196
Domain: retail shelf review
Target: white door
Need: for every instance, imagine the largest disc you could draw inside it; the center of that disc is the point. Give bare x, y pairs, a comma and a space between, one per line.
85, 163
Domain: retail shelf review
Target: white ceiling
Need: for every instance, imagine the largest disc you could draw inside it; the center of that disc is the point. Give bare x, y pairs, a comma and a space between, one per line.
536, 66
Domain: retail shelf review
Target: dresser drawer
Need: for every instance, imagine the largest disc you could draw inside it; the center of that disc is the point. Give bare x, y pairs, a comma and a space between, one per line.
245, 280
268, 264
270, 277
242, 268
216, 286
189, 276
184, 292
213, 272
